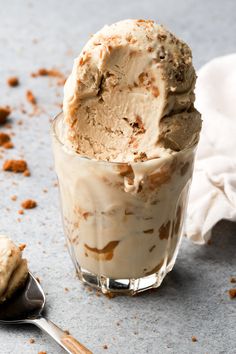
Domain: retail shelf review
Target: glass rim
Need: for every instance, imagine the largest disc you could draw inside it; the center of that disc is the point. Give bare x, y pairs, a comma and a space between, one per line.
83, 157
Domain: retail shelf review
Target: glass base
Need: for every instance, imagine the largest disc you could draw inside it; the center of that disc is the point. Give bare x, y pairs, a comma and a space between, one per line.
130, 287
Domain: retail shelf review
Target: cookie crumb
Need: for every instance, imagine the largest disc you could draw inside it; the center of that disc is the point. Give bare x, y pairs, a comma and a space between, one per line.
67, 332
8, 145
45, 72
4, 113
22, 246
21, 212
232, 293
13, 81
38, 280
105, 346
42, 352
14, 198
29, 204
30, 97
32, 341
41, 72
194, 339
66, 290
27, 173
232, 280
16, 166
4, 138
52, 73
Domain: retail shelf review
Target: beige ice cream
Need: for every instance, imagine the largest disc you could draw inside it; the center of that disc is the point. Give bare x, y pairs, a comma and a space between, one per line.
128, 106
123, 220
13, 269
130, 94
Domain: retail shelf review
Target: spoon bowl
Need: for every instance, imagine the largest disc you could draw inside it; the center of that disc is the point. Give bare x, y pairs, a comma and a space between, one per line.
27, 304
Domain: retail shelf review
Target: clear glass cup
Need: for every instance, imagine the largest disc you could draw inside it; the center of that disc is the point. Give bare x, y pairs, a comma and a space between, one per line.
123, 221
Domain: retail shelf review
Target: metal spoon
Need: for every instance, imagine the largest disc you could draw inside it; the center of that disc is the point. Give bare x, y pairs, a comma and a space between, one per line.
27, 307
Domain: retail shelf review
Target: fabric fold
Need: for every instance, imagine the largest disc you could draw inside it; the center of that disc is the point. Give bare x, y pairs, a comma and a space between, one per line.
213, 191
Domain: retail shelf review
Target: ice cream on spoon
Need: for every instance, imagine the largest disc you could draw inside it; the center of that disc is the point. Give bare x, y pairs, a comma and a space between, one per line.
13, 268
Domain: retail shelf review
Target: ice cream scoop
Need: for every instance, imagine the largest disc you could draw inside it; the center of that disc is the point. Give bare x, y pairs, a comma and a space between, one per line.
13, 269
131, 94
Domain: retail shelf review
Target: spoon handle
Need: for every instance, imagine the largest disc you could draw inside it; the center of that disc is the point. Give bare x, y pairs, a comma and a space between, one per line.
66, 341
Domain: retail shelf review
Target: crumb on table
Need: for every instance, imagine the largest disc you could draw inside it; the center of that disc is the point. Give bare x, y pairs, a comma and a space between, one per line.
30, 97
16, 166
232, 293
4, 113
13, 81
27, 173
29, 204
4, 138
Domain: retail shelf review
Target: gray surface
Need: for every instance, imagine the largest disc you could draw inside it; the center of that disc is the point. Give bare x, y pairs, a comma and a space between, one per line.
193, 299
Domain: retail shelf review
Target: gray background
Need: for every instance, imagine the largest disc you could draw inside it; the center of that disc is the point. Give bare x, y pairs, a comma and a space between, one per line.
193, 299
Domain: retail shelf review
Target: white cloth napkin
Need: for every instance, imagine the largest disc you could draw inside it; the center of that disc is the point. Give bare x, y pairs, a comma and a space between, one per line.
213, 190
